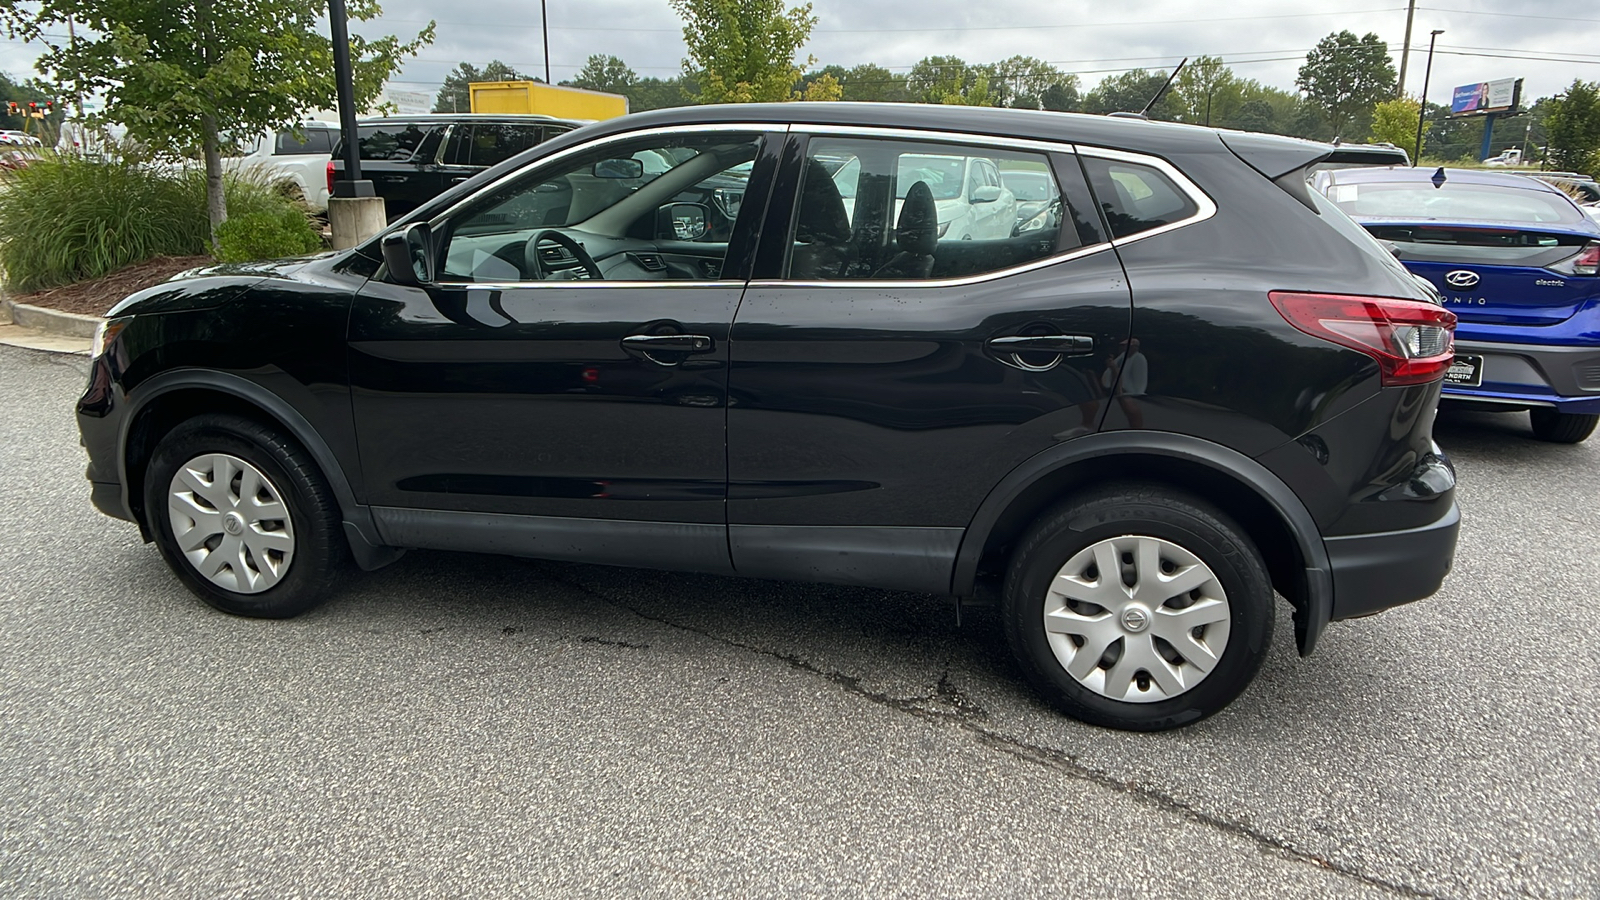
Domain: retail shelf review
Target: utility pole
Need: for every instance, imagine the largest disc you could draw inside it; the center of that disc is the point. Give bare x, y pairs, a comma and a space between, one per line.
1405, 49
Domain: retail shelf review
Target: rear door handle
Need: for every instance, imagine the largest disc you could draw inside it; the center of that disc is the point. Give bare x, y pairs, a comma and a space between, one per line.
1064, 344
668, 343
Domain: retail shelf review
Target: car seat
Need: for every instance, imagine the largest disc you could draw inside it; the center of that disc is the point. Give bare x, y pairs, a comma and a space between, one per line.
822, 229
916, 234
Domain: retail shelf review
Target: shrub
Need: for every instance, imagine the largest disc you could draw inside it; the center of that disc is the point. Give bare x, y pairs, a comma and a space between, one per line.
70, 217
266, 235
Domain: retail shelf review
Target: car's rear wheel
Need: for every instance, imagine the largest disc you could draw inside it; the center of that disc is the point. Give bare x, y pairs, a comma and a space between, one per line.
1138, 607
243, 516
1561, 428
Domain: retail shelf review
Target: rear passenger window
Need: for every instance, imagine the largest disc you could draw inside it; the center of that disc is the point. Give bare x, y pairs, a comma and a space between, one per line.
911, 210
398, 142
494, 143
1136, 198
311, 141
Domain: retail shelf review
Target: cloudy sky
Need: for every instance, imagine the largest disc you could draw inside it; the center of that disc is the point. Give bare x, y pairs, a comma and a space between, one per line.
1548, 42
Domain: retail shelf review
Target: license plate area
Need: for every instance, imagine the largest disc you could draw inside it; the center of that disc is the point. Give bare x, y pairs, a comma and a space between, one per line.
1465, 371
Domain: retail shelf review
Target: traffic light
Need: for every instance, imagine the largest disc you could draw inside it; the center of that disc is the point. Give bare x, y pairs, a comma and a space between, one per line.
12, 108
49, 106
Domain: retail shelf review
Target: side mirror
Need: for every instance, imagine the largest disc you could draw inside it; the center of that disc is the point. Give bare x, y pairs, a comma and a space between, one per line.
408, 254
683, 221
985, 193
619, 168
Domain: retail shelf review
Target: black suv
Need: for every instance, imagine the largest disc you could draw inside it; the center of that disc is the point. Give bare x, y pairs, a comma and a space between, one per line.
1193, 382
412, 159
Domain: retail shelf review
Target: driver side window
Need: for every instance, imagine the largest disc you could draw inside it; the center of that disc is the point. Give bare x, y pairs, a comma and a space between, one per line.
624, 203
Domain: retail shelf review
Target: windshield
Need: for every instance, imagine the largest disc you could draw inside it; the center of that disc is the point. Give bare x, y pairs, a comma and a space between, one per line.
1454, 201
1029, 186
942, 174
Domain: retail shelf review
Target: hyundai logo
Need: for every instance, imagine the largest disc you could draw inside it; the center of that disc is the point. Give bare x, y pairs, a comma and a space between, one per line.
1461, 278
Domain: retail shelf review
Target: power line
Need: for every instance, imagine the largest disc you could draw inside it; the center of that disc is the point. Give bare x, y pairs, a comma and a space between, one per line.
1475, 12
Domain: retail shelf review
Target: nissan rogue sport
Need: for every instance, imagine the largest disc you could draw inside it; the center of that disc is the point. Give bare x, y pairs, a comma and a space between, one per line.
1193, 385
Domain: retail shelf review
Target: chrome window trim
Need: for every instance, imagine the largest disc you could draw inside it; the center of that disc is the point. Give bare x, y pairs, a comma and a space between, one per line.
1205, 206
584, 283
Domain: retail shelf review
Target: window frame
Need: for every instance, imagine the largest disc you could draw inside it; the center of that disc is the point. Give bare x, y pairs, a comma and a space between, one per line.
777, 231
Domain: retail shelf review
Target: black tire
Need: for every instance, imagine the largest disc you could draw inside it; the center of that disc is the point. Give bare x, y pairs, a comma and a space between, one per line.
1150, 512
1561, 428
319, 550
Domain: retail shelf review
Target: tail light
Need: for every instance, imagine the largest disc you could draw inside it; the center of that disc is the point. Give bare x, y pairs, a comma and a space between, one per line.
1413, 341
1587, 262
330, 177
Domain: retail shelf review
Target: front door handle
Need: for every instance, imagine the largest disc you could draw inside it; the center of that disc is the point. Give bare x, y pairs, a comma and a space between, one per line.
1064, 344
669, 343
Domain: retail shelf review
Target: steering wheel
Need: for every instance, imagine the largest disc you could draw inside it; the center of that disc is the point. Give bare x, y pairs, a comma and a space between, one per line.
536, 262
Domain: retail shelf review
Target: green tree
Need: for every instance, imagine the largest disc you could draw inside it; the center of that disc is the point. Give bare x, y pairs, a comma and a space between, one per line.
605, 73
455, 95
1129, 92
823, 88
1022, 81
1062, 96
744, 50
950, 80
1344, 76
662, 93
1206, 92
873, 83
1573, 123
182, 73
1395, 122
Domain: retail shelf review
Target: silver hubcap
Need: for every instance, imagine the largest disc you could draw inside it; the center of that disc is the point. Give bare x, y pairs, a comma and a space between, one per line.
231, 523
1137, 619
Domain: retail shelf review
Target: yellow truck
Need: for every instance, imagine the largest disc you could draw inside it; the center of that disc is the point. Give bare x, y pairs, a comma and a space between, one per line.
545, 100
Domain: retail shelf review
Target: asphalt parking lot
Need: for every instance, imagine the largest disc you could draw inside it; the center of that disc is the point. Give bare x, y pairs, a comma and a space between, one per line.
474, 726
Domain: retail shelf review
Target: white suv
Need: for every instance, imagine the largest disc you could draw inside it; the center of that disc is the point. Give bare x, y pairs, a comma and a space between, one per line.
293, 162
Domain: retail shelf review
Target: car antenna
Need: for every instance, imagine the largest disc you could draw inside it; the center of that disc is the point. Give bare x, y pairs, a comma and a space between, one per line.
1146, 111
1438, 178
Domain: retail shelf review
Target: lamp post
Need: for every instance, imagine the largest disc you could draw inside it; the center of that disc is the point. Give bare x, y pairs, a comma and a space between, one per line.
1422, 107
355, 212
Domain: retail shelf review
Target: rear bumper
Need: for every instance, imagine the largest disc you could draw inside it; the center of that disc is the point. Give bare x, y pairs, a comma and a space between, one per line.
1373, 572
1566, 378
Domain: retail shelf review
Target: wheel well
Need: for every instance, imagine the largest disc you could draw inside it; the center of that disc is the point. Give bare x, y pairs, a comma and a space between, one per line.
166, 412
1264, 525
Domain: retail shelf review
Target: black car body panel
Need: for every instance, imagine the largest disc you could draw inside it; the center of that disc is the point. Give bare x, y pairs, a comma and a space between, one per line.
864, 432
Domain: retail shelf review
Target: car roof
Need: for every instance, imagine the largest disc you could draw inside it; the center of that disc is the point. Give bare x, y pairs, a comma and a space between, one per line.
1158, 138
445, 118
1396, 174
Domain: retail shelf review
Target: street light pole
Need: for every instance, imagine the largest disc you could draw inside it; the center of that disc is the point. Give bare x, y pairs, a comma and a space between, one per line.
1422, 107
544, 23
355, 212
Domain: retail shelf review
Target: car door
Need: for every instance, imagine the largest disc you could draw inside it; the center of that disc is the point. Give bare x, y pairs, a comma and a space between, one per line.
520, 404
884, 378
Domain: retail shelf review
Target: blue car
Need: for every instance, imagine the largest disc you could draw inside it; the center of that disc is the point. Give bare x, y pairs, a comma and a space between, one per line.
1517, 262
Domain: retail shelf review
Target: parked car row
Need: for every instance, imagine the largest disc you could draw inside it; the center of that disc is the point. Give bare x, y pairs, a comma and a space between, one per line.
820, 342
1517, 262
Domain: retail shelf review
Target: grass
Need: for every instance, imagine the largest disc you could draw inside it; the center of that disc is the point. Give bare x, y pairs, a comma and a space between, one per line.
68, 218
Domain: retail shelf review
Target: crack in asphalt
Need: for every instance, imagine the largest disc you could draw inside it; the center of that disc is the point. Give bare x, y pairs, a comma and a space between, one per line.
948, 706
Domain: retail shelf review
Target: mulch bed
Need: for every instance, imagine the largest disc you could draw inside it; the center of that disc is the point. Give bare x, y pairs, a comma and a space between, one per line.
93, 298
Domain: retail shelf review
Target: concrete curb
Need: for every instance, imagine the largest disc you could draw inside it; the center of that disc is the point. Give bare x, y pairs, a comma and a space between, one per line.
48, 321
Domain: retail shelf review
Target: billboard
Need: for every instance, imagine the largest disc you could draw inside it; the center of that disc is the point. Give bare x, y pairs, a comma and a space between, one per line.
1486, 97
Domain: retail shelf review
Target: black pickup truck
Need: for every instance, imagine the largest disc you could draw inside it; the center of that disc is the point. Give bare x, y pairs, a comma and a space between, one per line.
412, 159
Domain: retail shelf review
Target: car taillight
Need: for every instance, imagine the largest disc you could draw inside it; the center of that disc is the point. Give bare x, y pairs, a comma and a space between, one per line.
1587, 262
330, 177
1412, 341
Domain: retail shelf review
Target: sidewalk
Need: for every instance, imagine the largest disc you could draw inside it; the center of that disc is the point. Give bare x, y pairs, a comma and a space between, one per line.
36, 328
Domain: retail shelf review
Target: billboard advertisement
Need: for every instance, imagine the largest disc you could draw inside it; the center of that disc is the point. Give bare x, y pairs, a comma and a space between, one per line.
1486, 97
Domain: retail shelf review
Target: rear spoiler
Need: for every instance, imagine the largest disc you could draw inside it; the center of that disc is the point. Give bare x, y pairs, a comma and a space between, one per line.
1288, 161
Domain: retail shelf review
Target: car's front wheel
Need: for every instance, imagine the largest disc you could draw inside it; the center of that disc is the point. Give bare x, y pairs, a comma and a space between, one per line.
1561, 428
244, 517
1138, 607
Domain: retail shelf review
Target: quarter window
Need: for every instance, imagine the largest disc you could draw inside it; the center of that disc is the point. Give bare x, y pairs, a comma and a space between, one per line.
311, 141
898, 210
1135, 197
